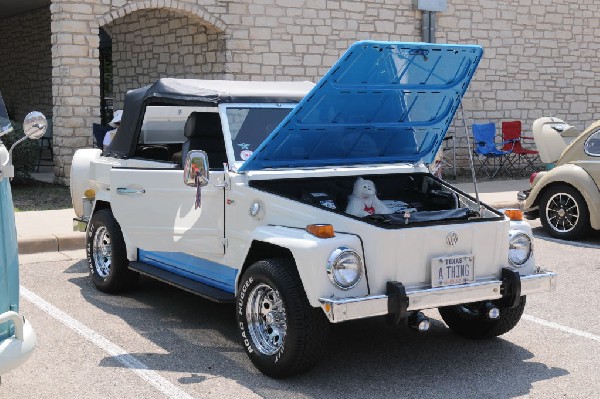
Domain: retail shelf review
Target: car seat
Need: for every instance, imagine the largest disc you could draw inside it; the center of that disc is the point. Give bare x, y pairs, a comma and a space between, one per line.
203, 132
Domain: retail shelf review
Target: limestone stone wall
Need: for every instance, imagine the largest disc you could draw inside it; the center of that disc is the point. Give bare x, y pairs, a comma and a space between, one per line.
540, 56
150, 44
25, 54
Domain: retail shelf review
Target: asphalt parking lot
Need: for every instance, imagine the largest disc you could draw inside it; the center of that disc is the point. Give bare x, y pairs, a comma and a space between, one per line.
158, 342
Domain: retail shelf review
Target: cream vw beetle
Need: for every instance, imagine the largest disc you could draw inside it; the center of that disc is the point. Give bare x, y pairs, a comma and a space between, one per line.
566, 198
17, 337
237, 191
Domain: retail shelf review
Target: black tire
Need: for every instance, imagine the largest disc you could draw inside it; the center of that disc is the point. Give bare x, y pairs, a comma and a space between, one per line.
468, 321
288, 336
564, 212
107, 254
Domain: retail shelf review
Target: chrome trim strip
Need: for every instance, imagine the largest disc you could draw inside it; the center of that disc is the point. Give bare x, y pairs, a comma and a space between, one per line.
338, 310
452, 295
342, 309
130, 191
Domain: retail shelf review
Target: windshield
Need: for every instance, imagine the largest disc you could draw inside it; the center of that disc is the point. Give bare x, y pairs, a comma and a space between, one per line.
5, 126
249, 126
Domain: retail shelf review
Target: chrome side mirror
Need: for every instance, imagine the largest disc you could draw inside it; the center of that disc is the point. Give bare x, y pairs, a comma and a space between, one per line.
35, 125
195, 171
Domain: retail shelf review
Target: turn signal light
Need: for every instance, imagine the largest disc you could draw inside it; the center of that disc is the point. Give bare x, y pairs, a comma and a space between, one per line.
514, 214
89, 193
321, 230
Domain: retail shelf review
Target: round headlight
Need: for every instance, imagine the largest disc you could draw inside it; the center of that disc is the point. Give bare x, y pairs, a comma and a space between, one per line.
344, 268
520, 248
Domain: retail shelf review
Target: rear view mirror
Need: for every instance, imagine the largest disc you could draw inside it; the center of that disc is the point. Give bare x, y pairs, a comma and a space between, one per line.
35, 125
195, 171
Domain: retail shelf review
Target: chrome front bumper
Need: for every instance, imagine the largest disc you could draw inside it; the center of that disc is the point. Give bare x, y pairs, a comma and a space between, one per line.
338, 310
16, 350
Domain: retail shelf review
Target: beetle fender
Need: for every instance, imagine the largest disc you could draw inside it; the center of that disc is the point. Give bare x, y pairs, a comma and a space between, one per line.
310, 255
575, 176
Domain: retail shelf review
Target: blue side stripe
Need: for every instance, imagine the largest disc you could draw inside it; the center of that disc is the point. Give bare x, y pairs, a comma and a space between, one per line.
192, 267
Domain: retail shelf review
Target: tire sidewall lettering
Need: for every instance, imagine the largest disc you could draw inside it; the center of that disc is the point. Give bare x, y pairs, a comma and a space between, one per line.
241, 296
278, 355
246, 337
89, 247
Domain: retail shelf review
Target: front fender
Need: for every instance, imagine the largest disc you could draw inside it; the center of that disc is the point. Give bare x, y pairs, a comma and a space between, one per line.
80, 176
572, 175
310, 255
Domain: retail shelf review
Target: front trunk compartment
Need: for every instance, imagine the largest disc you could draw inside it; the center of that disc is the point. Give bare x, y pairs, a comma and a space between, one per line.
415, 199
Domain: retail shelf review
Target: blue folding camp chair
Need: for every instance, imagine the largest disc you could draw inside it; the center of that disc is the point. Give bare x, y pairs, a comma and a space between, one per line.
491, 159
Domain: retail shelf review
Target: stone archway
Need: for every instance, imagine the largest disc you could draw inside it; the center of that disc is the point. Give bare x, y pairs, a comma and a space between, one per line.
75, 60
183, 7
153, 43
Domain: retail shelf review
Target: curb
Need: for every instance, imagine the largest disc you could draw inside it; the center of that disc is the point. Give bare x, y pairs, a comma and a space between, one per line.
74, 241
51, 243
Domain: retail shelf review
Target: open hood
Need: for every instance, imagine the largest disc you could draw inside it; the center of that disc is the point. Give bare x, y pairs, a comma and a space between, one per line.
382, 102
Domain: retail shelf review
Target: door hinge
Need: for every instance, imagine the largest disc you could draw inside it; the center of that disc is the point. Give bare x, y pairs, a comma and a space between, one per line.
224, 241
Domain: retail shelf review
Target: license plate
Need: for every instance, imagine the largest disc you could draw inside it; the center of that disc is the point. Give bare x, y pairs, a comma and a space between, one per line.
452, 270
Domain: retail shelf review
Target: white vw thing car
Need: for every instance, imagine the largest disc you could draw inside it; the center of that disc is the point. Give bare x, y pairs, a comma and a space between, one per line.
306, 204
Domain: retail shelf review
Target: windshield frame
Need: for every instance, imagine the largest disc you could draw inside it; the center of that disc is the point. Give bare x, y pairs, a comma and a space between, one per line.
233, 163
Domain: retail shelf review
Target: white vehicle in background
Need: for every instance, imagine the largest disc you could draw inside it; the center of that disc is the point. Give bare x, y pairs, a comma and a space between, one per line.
17, 337
249, 202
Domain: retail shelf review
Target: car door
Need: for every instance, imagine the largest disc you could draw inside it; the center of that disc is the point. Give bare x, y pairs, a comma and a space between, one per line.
156, 212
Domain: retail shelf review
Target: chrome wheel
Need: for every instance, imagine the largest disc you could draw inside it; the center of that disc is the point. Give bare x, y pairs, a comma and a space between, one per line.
562, 212
102, 252
266, 318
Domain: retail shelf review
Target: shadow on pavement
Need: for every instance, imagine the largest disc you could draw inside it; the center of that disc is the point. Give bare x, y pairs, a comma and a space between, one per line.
363, 358
592, 240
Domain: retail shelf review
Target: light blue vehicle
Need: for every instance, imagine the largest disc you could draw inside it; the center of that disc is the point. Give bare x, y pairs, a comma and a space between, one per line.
17, 338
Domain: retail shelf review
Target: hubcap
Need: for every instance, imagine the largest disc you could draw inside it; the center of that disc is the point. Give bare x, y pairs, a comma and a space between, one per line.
102, 252
265, 315
562, 212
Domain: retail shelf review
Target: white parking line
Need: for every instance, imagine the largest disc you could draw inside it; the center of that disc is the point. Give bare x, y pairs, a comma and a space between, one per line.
112, 349
562, 328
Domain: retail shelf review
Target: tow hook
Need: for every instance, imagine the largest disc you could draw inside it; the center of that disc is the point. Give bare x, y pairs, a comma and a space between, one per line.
418, 321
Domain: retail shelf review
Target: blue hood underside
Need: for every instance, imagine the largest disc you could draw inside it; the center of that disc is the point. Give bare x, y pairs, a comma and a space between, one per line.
382, 102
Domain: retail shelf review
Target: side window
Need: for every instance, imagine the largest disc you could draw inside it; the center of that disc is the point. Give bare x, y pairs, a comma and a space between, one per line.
592, 144
162, 134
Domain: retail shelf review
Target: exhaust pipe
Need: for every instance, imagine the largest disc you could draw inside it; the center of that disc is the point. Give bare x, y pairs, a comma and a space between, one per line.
418, 321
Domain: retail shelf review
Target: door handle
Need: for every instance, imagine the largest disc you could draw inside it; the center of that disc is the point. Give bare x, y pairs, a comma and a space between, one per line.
130, 191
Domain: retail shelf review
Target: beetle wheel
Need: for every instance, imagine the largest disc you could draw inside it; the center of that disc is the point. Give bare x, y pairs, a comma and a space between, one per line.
564, 213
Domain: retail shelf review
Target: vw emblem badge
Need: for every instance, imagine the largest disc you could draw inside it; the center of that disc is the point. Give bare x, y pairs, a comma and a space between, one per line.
451, 239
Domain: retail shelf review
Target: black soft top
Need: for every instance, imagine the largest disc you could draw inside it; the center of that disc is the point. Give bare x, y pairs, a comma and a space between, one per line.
169, 91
